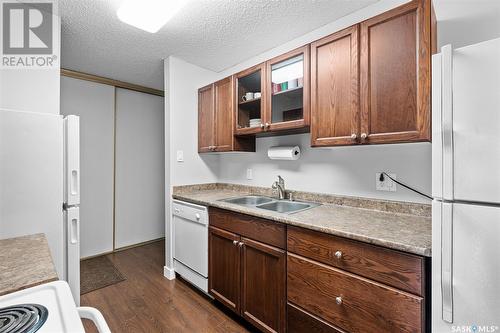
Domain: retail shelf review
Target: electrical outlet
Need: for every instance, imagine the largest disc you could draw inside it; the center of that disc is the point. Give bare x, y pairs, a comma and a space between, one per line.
180, 156
249, 174
387, 184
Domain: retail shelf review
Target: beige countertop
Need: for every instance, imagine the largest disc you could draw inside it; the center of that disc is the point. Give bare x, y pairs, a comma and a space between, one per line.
396, 225
25, 262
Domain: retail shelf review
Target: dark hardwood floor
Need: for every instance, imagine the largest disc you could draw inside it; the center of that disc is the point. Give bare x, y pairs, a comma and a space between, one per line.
148, 302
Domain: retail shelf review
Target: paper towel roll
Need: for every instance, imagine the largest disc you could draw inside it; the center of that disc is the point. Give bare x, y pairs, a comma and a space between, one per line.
290, 153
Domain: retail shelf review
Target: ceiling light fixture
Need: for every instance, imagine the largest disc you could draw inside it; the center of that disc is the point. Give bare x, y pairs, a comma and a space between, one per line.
148, 15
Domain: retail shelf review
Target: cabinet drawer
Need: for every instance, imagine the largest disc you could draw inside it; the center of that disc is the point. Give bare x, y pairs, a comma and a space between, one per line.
269, 232
401, 270
300, 321
349, 302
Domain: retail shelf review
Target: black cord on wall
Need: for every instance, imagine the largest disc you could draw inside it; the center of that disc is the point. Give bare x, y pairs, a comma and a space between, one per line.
384, 174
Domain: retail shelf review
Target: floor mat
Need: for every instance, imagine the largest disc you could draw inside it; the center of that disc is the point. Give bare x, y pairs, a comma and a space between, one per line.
97, 273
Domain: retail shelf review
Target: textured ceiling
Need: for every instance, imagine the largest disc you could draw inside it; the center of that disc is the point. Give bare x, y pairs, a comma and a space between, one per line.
214, 34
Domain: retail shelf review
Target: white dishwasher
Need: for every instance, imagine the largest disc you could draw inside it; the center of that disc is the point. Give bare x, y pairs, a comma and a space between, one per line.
190, 240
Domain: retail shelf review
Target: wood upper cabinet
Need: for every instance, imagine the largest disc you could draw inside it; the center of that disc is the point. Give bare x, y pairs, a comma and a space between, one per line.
287, 94
206, 119
224, 267
335, 89
370, 83
396, 75
249, 115
263, 285
215, 119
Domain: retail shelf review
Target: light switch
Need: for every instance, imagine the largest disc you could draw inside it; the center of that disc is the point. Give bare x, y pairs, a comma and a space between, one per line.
180, 156
249, 174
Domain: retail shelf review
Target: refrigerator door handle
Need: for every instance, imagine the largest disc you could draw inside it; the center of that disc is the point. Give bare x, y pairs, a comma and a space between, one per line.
74, 182
447, 120
72, 160
73, 251
447, 262
74, 234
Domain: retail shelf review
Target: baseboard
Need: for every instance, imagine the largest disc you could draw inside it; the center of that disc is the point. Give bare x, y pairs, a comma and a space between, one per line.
169, 273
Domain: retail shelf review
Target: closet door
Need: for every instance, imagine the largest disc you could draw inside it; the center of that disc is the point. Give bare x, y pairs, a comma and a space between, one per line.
139, 168
94, 103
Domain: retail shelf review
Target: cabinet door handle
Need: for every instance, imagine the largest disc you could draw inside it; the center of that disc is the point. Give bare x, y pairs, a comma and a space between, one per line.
338, 300
262, 126
364, 136
354, 136
338, 254
235, 242
240, 244
268, 125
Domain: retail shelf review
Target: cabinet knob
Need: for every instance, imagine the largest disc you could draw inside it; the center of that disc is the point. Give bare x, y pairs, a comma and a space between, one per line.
268, 125
198, 216
262, 125
364, 136
338, 300
338, 254
241, 244
235, 242
354, 136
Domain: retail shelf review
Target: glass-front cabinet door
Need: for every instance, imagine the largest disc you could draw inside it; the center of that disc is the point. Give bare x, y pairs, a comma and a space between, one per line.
287, 101
249, 100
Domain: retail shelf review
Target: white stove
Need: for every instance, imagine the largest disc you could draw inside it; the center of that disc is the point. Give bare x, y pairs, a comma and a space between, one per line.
46, 308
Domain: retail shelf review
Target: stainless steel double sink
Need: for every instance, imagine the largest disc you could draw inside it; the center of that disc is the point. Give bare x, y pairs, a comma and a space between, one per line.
275, 205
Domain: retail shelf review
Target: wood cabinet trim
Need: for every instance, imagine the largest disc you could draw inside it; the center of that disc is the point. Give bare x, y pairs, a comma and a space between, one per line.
316, 140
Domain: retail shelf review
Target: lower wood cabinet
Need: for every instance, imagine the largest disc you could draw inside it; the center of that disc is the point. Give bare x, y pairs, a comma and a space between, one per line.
224, 267
247, 275
285, 278
299, 320
263, 277
350, 302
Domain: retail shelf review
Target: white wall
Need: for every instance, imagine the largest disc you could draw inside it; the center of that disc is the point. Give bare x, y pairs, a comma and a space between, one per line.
465, 22
34, 90
182, 81
139, 168
340, 170
95, 104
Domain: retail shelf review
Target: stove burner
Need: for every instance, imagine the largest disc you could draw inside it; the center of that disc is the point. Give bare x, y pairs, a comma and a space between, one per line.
22, 318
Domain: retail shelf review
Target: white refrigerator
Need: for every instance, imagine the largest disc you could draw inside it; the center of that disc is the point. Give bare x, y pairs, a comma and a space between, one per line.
466, 188
40, 185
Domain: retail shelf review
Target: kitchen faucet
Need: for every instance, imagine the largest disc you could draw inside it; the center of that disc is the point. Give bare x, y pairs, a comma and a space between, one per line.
280, 186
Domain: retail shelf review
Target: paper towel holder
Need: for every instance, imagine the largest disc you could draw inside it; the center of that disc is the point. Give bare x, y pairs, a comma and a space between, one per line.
287, 153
